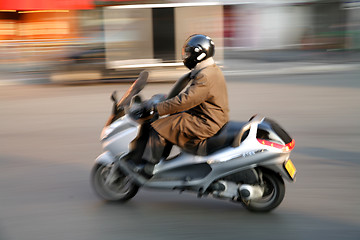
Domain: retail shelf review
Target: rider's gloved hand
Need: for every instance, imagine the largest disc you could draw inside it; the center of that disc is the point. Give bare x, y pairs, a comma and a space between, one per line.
146, 110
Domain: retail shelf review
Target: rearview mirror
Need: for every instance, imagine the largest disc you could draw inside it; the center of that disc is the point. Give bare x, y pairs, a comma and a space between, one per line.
114, 97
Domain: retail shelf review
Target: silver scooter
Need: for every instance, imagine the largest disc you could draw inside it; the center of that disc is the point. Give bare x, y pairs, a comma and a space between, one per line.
245, 162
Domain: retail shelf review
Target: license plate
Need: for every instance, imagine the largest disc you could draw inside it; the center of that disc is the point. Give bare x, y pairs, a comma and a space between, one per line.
290, 168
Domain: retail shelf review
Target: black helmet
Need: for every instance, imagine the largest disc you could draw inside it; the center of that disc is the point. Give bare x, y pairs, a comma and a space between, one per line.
197, 48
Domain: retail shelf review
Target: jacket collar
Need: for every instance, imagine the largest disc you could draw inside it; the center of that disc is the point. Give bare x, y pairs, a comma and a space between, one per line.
204, 64
200, 66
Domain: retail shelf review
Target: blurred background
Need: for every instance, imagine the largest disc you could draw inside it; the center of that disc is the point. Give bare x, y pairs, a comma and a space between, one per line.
295, 61
59, 41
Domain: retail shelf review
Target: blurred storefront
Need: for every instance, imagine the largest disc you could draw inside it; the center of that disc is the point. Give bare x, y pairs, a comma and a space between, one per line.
33, 33
328, 28
34, 19
36, 34
352, 8
279, 24
33, 25
138, 36
78, 35
153, 34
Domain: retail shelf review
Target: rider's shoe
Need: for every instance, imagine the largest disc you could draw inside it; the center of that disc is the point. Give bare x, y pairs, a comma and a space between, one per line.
148, 169
141, 167
144, 169
135, 166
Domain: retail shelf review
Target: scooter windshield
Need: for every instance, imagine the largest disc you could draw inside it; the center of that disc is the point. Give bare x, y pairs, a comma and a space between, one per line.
135, 88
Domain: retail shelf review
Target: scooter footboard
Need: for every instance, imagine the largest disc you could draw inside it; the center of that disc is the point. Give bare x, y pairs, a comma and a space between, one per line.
200, 180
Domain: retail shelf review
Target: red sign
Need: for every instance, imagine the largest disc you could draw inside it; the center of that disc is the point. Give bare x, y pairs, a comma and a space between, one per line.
46, 4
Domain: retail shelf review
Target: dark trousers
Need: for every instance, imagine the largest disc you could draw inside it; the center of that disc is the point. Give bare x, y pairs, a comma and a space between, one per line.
158, 146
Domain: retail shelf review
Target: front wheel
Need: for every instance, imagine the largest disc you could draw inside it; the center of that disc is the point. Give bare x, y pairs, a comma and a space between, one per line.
274, 192
118, 188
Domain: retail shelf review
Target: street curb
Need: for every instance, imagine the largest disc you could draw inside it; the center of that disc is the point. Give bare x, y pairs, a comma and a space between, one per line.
310, 69
295, 70
17, 82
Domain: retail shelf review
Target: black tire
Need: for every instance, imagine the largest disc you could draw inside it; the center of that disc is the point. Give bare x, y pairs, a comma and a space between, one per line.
273, 195
122, 189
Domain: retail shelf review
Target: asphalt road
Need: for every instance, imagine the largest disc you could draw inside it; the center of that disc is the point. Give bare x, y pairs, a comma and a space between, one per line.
49, 137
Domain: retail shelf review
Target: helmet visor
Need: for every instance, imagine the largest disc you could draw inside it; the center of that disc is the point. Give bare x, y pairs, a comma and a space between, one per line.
185, 53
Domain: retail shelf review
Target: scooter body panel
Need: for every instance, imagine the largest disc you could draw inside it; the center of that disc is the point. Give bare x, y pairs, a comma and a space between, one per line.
186, 170
117, 136
105, 158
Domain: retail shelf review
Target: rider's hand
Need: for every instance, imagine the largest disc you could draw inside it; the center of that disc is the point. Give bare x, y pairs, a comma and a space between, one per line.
146, 110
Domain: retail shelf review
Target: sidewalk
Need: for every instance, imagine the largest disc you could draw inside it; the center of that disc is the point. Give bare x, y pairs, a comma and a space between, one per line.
287, 55
255, 68
240, 63
275, 62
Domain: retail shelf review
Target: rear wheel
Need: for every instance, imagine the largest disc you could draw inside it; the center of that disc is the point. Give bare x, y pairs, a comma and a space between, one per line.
274, 192
118, 188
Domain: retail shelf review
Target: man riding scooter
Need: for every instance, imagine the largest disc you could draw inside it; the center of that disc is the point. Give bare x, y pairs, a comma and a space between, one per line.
244, 162
193, 115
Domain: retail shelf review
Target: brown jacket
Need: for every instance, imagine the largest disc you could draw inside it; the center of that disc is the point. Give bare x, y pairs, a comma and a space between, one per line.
197, 113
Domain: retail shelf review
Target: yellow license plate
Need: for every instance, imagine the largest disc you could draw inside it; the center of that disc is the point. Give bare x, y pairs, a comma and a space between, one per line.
290, 168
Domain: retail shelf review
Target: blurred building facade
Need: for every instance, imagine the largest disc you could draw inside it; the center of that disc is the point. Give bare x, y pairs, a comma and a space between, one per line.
352, 24
155, 33
36, 34
306, 24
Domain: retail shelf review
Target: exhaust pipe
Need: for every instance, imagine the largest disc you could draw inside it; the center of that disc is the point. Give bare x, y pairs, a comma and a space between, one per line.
251, 192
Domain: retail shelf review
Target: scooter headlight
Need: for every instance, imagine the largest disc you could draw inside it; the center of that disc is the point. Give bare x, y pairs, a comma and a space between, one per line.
105, 132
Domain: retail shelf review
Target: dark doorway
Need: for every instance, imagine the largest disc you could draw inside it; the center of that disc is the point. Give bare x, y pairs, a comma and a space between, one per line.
164, 33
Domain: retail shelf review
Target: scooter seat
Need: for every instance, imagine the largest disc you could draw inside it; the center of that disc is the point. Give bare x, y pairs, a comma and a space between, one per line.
223, 138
